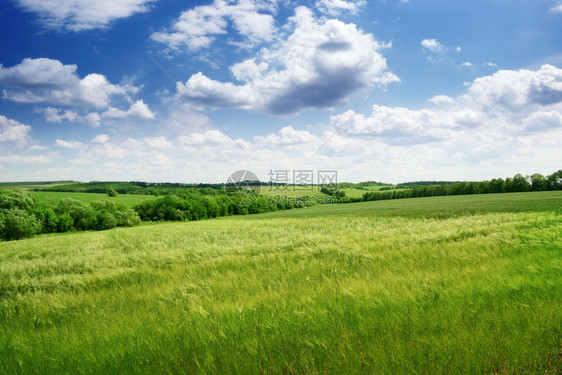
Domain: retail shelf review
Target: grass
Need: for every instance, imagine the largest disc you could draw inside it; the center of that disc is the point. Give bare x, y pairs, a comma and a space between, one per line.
129, 200
313, 191
467, 284
32, 184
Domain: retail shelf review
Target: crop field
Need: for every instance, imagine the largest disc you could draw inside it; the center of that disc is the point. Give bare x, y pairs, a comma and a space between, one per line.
128, 200
456, 285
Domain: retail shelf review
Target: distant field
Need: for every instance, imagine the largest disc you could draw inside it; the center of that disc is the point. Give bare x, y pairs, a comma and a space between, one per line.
455, 285
129, 200
312, 191
356, 193
32, 185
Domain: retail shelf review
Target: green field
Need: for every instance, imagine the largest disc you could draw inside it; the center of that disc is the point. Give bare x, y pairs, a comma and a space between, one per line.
456, 285
129, 200
313, 191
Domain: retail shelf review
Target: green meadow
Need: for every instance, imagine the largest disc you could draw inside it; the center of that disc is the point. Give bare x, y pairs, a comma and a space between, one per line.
457, 284
129, 200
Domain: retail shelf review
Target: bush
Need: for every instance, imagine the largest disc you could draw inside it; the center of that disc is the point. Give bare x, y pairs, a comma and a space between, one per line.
82, 214
65, 223
16, 224
112, 192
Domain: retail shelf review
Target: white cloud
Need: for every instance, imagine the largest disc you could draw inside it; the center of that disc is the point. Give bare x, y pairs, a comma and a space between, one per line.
442, 99
505, 123
517, 90
100, 138
556, 9
38, 148
432, 44
335, 7
93, 119
466, 64
197, 28
49, 81
458, 49
319, 65
210, 137
13, 131
30, 159
490, 64
496, 112
58, 115
68, 144
288, 136
159, 143
137, 110
78, 15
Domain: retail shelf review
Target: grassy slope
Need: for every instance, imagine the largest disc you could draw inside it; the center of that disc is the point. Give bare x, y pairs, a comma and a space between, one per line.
129, 200
311, 191
450, 285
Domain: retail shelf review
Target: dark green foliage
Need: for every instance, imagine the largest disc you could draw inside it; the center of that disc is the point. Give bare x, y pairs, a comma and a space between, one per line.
518, 183
64, 223
112, 192
17, 223
138, 188
21, 215
83, 215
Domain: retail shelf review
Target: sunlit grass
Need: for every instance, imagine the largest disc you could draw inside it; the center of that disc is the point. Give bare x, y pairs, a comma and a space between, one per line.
435, 285
129, 200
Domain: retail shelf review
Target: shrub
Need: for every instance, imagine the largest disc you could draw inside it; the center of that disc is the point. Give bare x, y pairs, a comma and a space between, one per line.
16, 224
82, 214
112, 192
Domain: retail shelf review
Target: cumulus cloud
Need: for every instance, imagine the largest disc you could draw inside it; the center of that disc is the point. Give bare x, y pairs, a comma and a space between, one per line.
137, 110
442, 99
507, 102
13, 131
210, 137
198, 27
335, 7
159, 143
318, 65
58, 115
518, 90
100, 138
556, 9
288, 136
68, 144
432, 44
46, 80
79, 15
30, 159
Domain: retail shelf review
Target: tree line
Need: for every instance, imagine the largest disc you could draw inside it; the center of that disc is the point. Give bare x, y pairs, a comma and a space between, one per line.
517, 183
22, 215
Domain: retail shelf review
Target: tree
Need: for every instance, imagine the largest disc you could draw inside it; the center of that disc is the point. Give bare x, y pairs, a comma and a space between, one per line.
112, 192
555, 181
16, 224
538, 182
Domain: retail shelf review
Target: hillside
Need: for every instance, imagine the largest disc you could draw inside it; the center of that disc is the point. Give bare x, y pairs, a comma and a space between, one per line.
465, 284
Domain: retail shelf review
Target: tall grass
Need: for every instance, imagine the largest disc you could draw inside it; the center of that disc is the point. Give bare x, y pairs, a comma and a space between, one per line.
440, 285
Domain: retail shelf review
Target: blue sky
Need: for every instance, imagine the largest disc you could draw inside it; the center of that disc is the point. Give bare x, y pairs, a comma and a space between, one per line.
386, 90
